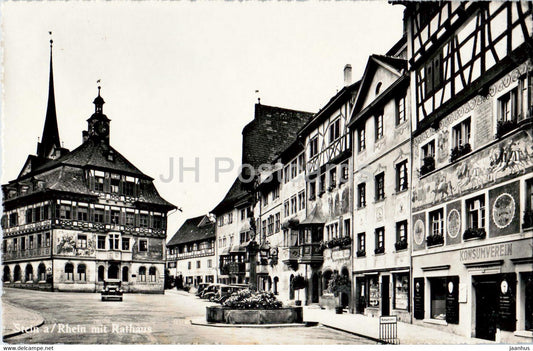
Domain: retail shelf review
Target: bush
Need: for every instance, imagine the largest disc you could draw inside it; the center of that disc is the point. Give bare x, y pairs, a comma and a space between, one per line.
459, 151
471, 233
251, 300
428, 165
435, 239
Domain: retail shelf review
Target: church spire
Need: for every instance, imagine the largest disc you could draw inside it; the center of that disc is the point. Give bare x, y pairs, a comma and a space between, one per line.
50, 138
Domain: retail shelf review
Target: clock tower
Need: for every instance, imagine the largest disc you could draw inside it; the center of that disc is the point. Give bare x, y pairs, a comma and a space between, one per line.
98, 123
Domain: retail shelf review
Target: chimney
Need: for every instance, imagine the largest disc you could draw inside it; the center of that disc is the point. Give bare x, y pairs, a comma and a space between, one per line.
347, 75
84, 136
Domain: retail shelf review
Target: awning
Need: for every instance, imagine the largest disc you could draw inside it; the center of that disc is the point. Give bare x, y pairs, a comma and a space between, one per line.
315, 217
225, 251
237, 249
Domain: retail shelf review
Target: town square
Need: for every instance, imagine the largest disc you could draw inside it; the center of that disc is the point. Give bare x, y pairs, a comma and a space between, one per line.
222, 173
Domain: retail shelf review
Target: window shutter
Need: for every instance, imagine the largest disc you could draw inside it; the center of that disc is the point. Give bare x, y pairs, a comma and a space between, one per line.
507, 302
418, 303
107, 216
107, 182
123, 217
452, 300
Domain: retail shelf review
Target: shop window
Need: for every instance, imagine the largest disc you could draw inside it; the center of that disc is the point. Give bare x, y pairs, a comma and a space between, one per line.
361, 139
401, 291
438, 294
41, 271
401, 176
82, 241
143, 245
142, 274
69, 271
374, 294
101, 271
380, 186
82, 276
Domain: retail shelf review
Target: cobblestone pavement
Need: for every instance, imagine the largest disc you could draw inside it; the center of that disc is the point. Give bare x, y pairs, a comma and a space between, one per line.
146, 319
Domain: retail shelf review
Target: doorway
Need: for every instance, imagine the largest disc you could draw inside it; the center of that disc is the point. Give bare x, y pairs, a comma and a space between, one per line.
112, 272
385, 304
486, 308
314, 288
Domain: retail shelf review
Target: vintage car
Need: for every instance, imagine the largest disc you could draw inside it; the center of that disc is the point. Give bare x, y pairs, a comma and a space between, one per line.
112, 290
201, 288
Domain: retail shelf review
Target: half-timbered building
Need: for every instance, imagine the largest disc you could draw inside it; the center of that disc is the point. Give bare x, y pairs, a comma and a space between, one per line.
472, 146
74, 218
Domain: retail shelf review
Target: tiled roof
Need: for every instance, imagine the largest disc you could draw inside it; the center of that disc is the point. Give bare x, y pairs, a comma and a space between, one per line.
95, 154
191, 232
272, 131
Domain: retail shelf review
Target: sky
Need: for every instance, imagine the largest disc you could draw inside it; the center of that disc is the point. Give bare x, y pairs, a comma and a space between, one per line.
179, 78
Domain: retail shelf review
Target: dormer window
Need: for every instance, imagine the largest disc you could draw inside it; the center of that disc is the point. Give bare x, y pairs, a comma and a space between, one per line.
111, 156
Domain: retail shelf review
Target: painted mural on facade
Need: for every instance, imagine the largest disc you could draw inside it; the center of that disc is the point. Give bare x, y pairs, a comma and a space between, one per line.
508, 158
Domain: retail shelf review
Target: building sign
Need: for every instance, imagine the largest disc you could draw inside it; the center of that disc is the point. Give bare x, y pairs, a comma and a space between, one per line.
452, 300
488, 252
503, 210
418, 303
340, 254
507, 302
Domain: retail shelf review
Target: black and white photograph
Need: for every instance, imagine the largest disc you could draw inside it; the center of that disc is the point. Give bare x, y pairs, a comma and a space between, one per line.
266, 173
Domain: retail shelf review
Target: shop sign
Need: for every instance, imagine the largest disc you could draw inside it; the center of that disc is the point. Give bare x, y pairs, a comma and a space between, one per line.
488, 252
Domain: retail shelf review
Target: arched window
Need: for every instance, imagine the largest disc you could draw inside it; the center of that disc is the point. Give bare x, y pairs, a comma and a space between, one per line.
378, 88
142, 274
151, 272
69, 271
125, 274
82, 272
29, 273
16, 276
101, 272
276, 282
7, 274
41, 271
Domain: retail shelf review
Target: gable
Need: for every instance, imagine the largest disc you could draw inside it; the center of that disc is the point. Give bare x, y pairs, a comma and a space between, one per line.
380, 75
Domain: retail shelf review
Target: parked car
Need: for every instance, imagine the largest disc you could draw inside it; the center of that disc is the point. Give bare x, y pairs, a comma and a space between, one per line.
112, 290
201, 288
209, 291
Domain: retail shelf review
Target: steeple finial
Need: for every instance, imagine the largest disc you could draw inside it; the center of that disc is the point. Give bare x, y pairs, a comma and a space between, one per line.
98, 101
50, 136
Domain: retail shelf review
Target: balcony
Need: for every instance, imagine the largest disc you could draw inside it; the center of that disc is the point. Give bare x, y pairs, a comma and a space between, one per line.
311, 253
289, 255
233, 268
39, 252
113, 255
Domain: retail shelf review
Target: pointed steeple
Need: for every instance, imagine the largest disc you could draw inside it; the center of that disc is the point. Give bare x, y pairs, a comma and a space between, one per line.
50, 138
